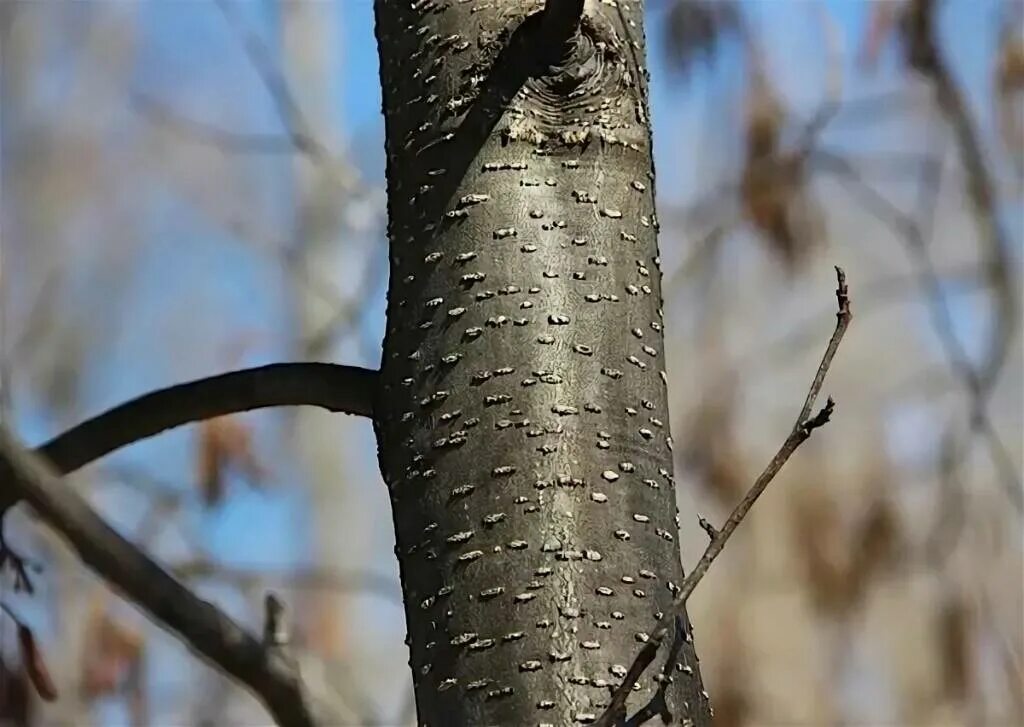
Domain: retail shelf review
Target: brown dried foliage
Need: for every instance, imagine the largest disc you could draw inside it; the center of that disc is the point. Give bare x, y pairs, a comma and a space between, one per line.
112, 655
840, 562
1009, 91
1010, 69
816, 529
878, 538
733, 706
711, 448
321, 630
774, 188
955, 647
225, 443
881, 23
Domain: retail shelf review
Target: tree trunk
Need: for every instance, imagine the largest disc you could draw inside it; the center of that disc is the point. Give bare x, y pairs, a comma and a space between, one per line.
523, 427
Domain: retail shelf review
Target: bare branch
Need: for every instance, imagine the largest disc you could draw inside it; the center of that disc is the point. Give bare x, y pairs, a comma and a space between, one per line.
298, 135
347, 389
927, 57
200, 624
227, 140
979, 383
348, 312
261, 58
885, 290
832, 103
805, 424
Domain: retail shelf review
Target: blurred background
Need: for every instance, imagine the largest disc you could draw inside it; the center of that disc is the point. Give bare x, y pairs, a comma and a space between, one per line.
189, 187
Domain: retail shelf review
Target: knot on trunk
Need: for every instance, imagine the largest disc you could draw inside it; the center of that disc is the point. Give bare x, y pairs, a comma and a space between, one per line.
575, 56
581, 81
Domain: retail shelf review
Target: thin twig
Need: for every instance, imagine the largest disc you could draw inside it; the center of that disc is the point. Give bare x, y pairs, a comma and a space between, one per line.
273, 79
921, 29
348, 312
299, 135
832, 103
207, 630
300, 578
805, 424
898, 165
827, 115
883, 291
228, 141
979, 186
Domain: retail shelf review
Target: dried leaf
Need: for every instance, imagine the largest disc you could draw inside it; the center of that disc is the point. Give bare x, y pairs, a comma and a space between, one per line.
765, 115
224, 443
35, 665
1010, 71
711, 448
100, 677
774, 192
209, 475
954, 636
1009, 94
880, 28
322, 629
113, 651
733, 685
878, 537
817, 530
732, 703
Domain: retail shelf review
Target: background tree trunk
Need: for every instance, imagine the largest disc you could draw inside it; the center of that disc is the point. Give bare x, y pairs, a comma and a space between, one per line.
523, 428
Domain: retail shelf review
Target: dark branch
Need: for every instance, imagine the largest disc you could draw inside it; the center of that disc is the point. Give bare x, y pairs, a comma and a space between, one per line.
275, 625
18, 564
200, 624
561, 19
805, 424
347, 389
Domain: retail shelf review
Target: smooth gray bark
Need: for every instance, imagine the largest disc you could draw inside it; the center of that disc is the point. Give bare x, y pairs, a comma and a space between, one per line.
523, 420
